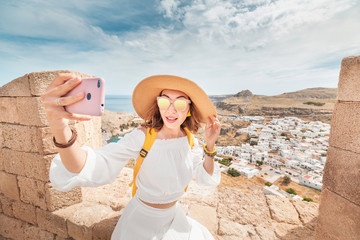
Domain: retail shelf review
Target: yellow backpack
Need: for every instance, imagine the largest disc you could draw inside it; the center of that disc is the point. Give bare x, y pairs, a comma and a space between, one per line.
149, 140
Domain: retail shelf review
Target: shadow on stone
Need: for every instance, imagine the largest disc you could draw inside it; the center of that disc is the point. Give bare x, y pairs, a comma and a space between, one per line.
307, 231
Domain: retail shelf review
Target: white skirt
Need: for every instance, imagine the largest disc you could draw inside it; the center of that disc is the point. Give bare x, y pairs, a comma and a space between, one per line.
142, 222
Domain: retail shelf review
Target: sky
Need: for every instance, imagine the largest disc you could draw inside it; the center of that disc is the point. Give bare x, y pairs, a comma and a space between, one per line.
266, 46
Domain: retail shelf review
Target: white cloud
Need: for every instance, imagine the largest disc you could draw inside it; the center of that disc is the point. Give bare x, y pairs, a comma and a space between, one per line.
169, 7
225, 46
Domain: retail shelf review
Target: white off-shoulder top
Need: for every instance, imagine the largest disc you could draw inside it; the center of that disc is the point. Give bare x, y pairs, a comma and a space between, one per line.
165, 172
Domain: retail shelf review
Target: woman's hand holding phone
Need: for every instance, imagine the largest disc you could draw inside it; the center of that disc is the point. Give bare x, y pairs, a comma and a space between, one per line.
54, 101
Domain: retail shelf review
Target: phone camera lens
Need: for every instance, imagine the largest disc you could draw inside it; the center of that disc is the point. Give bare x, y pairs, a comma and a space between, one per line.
88, 96
98, 83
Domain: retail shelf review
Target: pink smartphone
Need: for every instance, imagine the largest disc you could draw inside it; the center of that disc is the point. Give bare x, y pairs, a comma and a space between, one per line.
94, 100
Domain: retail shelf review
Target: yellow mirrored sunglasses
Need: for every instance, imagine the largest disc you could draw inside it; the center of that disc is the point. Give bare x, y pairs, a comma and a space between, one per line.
179, 104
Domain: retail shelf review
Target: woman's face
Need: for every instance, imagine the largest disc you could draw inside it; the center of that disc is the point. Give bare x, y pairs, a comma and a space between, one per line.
172, 117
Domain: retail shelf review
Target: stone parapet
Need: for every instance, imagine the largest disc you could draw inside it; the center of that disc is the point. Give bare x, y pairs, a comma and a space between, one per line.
27, 198
349, 79
339, 211
339, 218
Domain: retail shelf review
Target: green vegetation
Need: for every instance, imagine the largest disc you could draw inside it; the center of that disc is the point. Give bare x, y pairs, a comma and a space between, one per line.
233, 172
134, 124
291, 191
286, 180
226, 161
268, 184
308, 199
259, 162
314, 103
252, 143
127, 125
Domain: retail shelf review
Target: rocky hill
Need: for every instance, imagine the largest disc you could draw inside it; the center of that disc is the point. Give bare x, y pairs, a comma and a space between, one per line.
310, 104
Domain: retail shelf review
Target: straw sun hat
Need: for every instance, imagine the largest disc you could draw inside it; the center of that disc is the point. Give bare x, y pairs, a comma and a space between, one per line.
147, 90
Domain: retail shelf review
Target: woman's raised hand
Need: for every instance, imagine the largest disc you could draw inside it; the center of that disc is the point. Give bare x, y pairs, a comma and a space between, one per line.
54, 102
212, 131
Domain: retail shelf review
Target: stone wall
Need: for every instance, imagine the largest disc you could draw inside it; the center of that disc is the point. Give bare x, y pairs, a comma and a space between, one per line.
31, 209
339, 211
27, 200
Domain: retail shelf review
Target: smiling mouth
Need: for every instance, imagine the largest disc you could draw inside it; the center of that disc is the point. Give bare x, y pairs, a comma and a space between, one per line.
171, 119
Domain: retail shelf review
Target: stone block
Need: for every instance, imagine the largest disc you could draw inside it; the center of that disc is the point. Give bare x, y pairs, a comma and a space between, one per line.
83, 216
265, 233
308, 211
205, 215
61, 238
32, 232
282, 230
341, 174
56, 200
16, 110
11, 228
282, 210
1, 137
8, 110
236, 205
31, 165
321, 235
51, 222
338, 217
17, 87
234, 229
349, 79
9, 185
35, 105
47, 143
89, 132
39, 140
79, 231
39, 81
32, 191
2, 159
6, 205
104, 229
345, 130
21, 138
24, 211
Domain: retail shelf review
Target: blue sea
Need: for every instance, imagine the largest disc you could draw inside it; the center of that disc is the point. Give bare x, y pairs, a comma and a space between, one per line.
122, 103
119, 103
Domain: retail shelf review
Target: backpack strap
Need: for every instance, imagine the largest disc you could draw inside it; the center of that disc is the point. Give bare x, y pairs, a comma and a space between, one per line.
149, 140
191, 143
190, 137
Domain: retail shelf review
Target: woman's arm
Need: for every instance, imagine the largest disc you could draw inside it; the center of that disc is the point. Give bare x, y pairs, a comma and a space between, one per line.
73, 157
212, 131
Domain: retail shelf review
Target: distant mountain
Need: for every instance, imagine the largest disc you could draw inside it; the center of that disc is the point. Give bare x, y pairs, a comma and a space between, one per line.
311, 103
219, 98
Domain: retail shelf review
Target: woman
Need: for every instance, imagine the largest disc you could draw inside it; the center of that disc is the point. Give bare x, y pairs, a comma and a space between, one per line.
171, 106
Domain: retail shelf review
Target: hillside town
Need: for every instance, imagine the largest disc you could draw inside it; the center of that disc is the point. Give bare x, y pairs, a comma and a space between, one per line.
284, 146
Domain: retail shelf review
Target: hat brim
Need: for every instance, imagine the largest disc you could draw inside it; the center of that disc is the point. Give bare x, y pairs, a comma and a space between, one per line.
148, 89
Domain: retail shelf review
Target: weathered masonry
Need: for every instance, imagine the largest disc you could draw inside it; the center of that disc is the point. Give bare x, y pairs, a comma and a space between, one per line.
339, 211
